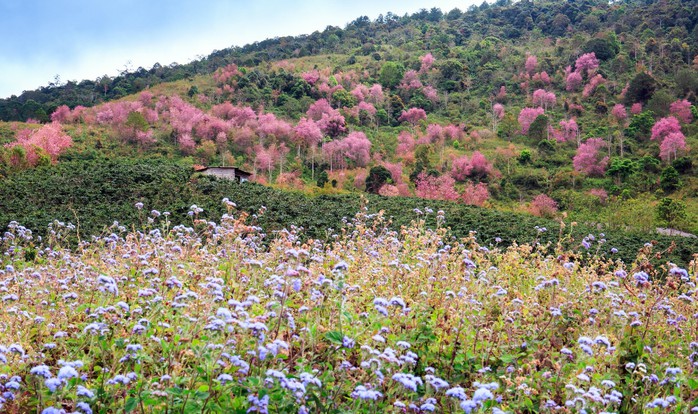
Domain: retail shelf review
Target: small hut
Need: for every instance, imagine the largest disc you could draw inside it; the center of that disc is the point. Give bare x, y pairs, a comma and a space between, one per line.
230, 173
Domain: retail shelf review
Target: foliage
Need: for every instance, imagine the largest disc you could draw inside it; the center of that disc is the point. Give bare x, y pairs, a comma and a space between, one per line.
94, 193
670, 211
199, 321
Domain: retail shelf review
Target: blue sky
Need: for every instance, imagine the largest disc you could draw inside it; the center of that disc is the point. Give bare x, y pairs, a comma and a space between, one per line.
85, 39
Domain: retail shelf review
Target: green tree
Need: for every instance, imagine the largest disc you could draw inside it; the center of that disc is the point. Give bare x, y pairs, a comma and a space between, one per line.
670, 212
377, 177
538, 130
391, 74
669, 179
602, 48
322, 178
640, 89
640, 126
621, 169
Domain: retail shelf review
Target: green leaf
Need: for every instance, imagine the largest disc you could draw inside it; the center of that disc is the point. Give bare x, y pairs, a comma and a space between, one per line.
131, 404
334, 336
692, 383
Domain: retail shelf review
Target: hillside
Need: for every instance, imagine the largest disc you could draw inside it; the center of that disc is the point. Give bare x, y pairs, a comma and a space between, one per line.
449, 212
583, 111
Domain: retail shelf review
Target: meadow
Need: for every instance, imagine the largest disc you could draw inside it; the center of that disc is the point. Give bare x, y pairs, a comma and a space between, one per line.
223, 317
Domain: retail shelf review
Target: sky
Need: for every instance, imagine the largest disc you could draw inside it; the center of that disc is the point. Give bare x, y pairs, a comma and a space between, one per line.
86, 39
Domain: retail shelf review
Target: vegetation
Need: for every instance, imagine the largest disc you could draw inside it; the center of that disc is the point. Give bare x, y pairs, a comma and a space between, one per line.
509, 165
92, 195
207, 317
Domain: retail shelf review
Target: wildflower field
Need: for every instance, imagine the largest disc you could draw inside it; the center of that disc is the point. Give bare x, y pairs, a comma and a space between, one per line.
221, 317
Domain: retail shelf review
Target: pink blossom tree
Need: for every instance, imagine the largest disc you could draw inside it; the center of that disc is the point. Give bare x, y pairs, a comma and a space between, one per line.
475, 194
664, 127
427, 62
405, 145
49, 139
410, 81
413, 116
477, 166
357, 148
544, 99
307, 134
527, 116
461, 168
587, 62
636, 108
225, 74
531, 64
590, 158
570, 131
431, 94
594, 83
573, 82
271, 126
497, 115
671, 145
436, 188
360, 92
543, 206
395, 169
375, 94
681, 109
311, 77
62, 114
621, 116
319, 108
333, 125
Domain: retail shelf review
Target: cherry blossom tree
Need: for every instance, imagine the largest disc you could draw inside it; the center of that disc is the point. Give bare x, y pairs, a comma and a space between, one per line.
62, 115
405, 145
636, 108
664, 127
589, 158
413, 116
431, 94
49, 139
527, 116
475, 194
673, 142
570, 131
225, 74
375, 94
271, 126
497, 115
543, 206
410, 81
477, 166
357, 148
573, 82
587, 62
311, 77
360, 92
544, 99
531, 64
427, 62
307, 134
681, 109
319, 108
621, 116
594, 83
436, 188
332, 125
